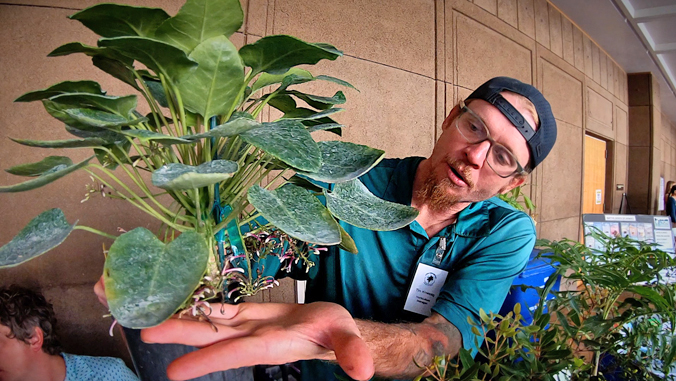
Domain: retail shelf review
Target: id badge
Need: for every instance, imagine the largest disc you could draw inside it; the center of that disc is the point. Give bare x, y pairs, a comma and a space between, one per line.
425, 289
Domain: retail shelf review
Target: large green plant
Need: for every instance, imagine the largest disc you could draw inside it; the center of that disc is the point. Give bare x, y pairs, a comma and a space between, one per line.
216, 165
624, 309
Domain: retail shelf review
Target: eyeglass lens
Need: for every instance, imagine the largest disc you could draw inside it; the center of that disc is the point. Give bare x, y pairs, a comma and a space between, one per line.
500, 159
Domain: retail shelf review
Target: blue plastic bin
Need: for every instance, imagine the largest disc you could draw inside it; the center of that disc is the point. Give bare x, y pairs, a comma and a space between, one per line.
536, 274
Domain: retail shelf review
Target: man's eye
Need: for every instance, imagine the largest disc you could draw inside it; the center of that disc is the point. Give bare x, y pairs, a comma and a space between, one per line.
502, 157
474, 128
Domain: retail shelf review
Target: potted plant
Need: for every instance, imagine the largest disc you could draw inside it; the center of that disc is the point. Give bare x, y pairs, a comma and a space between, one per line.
227, 188
618, 325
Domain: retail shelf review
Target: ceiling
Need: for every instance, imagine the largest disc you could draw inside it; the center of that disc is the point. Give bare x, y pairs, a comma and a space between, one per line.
640, 35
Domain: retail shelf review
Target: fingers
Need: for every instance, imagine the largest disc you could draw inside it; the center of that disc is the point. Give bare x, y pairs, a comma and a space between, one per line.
100, 291
353, 355
191, 332
221, 356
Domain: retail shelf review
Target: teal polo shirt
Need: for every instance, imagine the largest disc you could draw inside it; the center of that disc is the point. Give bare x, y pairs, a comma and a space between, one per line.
486, 248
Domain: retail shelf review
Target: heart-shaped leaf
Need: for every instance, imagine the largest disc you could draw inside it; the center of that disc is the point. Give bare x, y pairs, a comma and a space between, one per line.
297, 212
231, 128
92, 51
331, 127
178, 176
213, 88
303, 115
145, 135
70, 143
43, 233
278, 54
266, 79
100, 119
147, 281
353, 203
287, 141
318, 102
44, 179
157, 91
200, 20
158, 56
343, 161
335, 80
117, 69
90, 87
346, 242
115, 20
44, 166
109, 136
122, 106
118, 153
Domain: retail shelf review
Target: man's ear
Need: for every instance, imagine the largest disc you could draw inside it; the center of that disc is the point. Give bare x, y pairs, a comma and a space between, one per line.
515, 182
451, 117
37, 339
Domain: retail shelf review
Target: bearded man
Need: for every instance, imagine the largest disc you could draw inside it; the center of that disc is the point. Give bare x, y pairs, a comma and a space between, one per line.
407, 296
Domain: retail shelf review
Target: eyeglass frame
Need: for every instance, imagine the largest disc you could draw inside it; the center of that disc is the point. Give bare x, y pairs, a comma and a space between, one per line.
519, 169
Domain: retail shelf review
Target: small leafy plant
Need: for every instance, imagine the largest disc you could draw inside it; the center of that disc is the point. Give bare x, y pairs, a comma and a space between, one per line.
618, 323
228, 188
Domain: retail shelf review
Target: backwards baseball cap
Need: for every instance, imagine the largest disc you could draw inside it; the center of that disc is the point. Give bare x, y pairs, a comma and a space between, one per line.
540, 142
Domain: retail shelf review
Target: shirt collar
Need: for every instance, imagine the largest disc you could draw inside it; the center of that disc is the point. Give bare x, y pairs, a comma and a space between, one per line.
472, 221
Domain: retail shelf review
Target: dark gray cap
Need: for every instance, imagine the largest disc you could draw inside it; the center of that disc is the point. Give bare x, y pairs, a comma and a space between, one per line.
540, 142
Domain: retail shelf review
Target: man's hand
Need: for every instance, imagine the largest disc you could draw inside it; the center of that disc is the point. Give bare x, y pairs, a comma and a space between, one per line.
100, 291
268, 333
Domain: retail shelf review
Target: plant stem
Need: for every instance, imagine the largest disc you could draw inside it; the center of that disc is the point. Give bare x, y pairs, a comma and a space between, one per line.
95, 231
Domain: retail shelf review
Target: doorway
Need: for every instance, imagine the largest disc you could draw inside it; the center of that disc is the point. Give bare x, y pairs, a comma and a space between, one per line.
594, 186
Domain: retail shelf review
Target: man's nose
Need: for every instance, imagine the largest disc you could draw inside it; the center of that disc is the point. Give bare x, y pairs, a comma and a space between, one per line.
476, 153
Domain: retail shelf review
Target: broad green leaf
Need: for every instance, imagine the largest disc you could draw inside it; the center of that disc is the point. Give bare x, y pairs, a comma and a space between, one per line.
282, 102
297, 212
117, 69
335, 80
43, 180
176, 176
158, 56
319, 102
71, 143
116, 20
353, 203
157, 91
213, 88
233, 127
266, 79
145, 135
123, 106
303, 115
200, 20
109, 136
304, 183
44, 166
147, 281
331, 127
90, 87
346, 242
278, 54
287, 141
344, 161
42, 234
100, 119
92, 51
119, 151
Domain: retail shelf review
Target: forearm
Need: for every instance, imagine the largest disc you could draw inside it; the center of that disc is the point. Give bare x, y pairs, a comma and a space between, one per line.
400, 349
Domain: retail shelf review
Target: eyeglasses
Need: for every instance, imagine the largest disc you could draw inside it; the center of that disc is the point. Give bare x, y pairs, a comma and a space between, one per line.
501, 160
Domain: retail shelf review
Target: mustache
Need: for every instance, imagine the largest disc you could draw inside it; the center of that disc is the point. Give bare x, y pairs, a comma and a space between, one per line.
464, 171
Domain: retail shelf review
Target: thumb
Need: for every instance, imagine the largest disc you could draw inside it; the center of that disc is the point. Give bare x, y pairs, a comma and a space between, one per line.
353, 355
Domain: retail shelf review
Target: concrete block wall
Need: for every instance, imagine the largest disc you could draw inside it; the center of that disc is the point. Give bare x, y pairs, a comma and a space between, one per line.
412, 60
